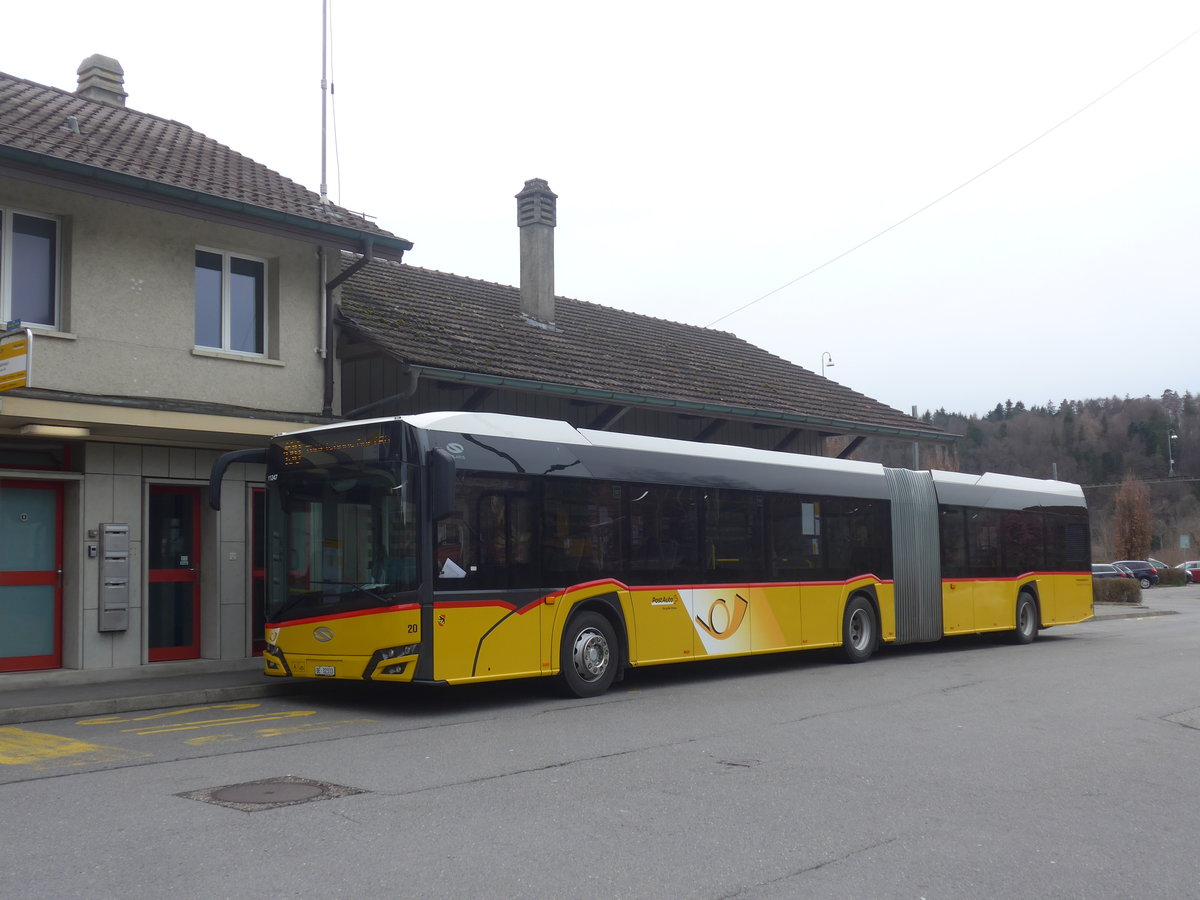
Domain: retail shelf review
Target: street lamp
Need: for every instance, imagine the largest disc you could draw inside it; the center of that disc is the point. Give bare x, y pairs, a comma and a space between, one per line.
1171, 436
825, 365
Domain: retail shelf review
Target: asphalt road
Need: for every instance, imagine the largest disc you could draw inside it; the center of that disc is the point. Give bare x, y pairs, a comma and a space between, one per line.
971, 768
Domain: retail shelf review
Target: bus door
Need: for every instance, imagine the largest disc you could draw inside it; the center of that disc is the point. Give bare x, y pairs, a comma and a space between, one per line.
734, 560
663, 524
31, 515
487, 622
958, 591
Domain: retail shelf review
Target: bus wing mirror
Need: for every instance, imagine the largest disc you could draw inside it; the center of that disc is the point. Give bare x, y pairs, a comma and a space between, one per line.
441, 467
224, 461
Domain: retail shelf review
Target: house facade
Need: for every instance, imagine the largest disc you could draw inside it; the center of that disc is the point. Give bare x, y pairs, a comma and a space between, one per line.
177, 298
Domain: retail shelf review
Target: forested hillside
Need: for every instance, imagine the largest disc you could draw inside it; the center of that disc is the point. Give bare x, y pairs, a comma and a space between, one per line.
1096, 443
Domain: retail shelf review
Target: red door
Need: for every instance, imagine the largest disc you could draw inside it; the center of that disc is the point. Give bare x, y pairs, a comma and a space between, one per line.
31, 515
258, 570
173, 537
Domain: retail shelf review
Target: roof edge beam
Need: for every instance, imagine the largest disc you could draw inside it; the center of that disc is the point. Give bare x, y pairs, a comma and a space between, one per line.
708, 409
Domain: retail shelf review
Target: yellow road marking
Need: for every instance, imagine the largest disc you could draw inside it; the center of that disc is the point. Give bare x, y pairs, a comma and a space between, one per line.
310, 726
19, 747
211, 739
219, 723
115, 720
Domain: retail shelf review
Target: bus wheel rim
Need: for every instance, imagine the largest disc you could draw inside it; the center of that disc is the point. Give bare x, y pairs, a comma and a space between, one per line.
859, 630
590, 654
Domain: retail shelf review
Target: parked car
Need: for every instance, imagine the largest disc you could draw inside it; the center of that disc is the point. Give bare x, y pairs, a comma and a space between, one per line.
1159, 565
1191, 571
1145, 573
1107, 570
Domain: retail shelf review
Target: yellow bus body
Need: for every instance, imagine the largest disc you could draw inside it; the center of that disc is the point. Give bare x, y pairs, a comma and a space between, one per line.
491, 640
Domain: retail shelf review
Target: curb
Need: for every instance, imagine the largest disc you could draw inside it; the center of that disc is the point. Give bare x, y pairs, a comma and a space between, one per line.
101, 706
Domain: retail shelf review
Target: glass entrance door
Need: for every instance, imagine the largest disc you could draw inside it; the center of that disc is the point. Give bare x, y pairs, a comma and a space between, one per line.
30, 575
173, 554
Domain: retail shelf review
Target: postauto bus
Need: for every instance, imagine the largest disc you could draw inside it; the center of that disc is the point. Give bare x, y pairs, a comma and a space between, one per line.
462, 547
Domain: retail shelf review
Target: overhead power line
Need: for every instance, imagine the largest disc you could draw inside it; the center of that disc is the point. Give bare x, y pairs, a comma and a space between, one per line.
969, 181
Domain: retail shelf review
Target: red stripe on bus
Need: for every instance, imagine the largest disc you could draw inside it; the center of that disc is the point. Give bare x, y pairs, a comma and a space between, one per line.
403, 607
984, 579
757, 584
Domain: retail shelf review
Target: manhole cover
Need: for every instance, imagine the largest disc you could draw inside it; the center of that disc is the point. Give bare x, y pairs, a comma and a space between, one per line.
270, 793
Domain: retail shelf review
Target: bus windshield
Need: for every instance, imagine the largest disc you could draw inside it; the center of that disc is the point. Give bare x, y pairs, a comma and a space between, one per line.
346, 537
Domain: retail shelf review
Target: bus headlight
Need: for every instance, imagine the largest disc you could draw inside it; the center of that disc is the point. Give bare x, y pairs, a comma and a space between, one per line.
274, 661
379, 661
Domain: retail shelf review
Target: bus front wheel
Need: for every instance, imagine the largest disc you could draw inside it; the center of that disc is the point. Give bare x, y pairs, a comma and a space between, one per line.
1027, 620
859, 630
588, 660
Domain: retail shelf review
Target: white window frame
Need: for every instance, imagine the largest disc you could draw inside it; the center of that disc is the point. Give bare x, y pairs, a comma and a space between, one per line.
226, 303
6, 266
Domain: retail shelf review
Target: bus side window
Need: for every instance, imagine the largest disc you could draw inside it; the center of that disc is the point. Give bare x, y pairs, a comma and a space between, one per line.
583, 529
492, 521
663, 533
451, 561
504, 535
983, 542
1022, 534
794, 536
954, 542
734, 522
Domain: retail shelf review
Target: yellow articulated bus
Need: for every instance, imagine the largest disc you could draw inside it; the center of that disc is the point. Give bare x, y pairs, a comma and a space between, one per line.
463, 547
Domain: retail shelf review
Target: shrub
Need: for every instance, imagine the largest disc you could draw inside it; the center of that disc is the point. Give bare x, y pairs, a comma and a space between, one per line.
1116, 590
1171, 577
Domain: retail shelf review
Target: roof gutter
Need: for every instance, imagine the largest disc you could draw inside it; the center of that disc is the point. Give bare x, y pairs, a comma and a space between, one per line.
387, 246
841, 426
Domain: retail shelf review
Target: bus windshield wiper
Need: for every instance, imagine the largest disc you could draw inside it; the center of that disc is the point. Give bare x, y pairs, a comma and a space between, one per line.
364, 587
276, 615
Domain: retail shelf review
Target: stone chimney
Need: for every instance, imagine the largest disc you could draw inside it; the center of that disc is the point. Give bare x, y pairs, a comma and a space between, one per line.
101, 79
536, 217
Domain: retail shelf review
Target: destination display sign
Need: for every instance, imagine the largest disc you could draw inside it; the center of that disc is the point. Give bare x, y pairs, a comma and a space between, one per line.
335, 447
16, 348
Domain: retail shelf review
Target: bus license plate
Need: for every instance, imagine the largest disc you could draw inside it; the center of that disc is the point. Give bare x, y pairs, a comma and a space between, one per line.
327, 671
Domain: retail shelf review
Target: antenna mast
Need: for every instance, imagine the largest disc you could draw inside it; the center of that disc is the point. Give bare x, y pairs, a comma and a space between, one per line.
324, 94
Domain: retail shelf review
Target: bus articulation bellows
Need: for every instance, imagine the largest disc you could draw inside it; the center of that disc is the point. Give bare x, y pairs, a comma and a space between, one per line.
463, 547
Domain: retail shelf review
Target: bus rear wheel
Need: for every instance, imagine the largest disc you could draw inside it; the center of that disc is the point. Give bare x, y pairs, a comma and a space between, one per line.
1027, 619
860, 631
588, 656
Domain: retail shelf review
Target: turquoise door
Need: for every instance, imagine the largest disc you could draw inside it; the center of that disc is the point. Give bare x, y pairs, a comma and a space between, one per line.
30, 575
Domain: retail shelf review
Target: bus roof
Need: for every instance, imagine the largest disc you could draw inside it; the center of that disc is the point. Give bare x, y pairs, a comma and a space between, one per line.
953, 488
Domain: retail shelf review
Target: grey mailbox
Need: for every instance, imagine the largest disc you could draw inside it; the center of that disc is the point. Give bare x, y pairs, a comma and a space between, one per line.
114, 577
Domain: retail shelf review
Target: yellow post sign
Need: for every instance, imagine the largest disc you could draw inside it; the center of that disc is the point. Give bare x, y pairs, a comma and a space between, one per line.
15, 350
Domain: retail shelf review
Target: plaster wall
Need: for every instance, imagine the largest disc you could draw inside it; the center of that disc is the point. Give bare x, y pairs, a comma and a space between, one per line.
127, 308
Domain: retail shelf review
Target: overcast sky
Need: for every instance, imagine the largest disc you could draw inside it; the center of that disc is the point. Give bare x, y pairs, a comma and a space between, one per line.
708, 154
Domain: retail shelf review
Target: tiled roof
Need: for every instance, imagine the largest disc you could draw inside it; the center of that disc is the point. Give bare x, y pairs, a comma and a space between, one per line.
436, 320
136, 145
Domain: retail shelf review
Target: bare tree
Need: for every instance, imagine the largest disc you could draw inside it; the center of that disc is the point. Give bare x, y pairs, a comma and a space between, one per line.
1132, 519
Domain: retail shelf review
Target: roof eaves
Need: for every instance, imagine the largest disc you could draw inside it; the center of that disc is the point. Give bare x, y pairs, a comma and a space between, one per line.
385, 246
839, 426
